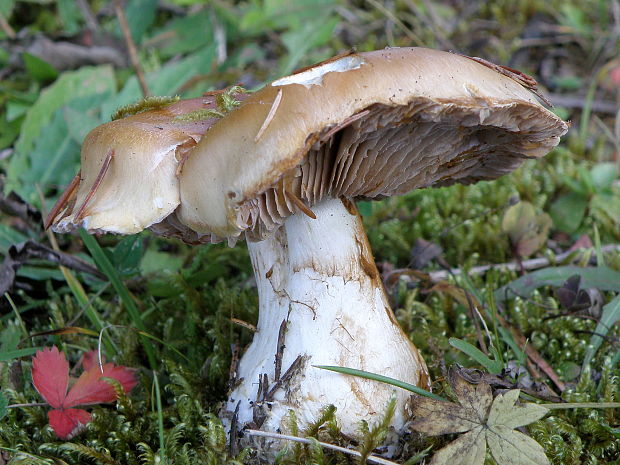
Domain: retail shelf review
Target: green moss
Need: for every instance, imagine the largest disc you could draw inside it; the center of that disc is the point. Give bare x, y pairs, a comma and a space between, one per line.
146, 104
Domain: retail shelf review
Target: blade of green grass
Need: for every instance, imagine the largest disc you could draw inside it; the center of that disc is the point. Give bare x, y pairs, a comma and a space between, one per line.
492, 366
11, 354
610, 315
382, 379
18, 317
602, 278
104, 265
568, 405
80, 295
160, 419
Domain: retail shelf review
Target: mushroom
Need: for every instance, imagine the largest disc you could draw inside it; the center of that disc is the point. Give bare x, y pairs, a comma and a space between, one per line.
283, 170
128, 177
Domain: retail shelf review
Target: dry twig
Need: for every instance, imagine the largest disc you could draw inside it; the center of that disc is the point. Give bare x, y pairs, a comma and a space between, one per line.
6, 27
326, 445
131, 47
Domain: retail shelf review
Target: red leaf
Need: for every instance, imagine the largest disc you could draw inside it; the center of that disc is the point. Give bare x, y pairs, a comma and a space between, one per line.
50, 375
91, 389
91, 359
67, 423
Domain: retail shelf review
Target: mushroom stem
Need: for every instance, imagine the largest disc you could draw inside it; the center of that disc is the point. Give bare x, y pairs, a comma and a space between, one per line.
319, 276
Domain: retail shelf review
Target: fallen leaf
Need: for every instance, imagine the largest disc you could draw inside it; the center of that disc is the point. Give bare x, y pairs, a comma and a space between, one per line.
571, 297
50, 376
485, 421
423, 253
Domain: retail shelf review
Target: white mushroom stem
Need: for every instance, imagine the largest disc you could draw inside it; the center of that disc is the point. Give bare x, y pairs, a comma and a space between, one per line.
318, 276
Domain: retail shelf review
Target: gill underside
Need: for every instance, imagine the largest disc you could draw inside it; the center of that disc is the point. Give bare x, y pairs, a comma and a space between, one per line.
384, 151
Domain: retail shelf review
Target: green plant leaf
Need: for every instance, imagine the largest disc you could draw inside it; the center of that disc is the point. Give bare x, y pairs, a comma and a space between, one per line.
140, 15
4, 403
609, 317
603, 175
127, 255
492, 366
70, 16
185, 34
10, 336
39, 69
311, 34
106, 267
42, 114
80, 123
568, 211
606, 205
67, 87
50, 167
601, 278
8, 237
17, 353
165, 81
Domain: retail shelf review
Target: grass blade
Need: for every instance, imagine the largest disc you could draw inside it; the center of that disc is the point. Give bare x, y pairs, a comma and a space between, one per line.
160, 419
11, 354
610, 315
382, 379
601, 278
492, 366
104, 265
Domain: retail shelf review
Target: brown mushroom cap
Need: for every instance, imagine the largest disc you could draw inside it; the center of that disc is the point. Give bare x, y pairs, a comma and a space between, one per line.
363, 125
128, 178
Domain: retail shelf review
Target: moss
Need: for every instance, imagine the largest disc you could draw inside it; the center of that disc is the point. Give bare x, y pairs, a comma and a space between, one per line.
146, 104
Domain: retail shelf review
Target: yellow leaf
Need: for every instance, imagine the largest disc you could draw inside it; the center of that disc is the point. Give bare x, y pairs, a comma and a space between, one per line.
434, 417
509, 447
505, 412
469, 449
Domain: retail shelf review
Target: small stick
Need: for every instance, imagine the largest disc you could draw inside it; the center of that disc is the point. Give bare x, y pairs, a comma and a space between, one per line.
234, 432
244, 324
326, 445
532, 353
234, 364
131, 47
285, 377
100, 176
343, 124
62, 201
532, 264
280, 351
299, 204
270, 115
89, 17
263, 386
30, 404
391, 16
6, 27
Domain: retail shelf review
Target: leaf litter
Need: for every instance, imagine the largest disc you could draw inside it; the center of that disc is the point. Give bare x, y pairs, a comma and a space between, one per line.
486, 421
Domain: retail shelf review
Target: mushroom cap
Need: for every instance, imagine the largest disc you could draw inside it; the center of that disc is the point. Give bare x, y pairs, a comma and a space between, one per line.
128, 179
362, 125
